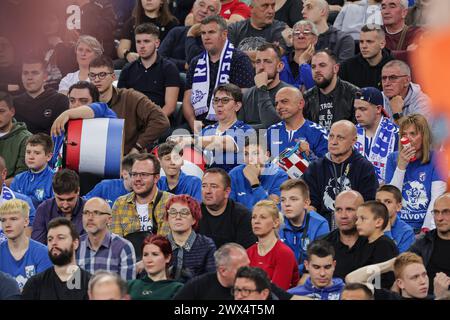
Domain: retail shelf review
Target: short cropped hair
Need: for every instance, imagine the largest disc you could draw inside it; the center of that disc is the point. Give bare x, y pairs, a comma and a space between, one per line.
102, 61
217, 19
152, 158
307, 23
379, 211
61, 221
392, 190
231, 89
255, 274
272, 46
355, 286
103, 276
128, 161
320, 248
15, 206
403, 260
226, 180
192, 204
147, 28
222, 255
65, 181
7, 98
329, 53
41, 139
374, 27
296, 184
93, 91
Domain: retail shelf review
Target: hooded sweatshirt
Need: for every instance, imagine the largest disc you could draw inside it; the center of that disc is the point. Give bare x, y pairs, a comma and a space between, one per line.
12, 148
340, 43
332, 292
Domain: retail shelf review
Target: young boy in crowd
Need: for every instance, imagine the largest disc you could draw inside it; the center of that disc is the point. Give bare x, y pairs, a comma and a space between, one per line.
320, 264
372, 219
402, 233
111, 189
175, 180
36, 182
300, 226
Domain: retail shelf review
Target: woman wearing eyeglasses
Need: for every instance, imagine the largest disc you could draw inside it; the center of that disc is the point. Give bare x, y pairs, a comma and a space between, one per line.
87, 49
413, 170
193, 253
270, 253
155, 285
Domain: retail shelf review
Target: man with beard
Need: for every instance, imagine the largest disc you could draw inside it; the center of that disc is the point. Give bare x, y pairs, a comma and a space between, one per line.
99, 248
258, 105
331, 99
66, 280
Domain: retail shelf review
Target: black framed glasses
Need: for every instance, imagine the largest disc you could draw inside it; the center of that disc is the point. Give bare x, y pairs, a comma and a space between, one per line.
392, 77
144, 175
242, 291
224, 100
95, 213
101, 75
183, 212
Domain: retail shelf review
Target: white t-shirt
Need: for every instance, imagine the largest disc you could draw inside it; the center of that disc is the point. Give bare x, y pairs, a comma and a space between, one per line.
145, 221
69, 80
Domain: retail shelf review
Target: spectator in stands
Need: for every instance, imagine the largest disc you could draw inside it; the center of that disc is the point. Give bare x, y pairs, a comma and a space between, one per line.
343, 168
175, 180
193, 253
87, 49
288, 11
377, 135
250, 46
364, 69
301, 226
183, 43
413, 169
13, 138
297, 68
433, 246
9, 67
341, 44
22, 257
181, 8
105, 285
65, 203
234, 10
320, 263
257, 179
331, 99
399, 37
156, 12
294, 128
111, 189
38, 107
259, 101
261, 23
220, 63
36, 182
223, 219
100, 249
251, 283
151, 74
66, 280
143, 209
356, 291
270, 253
9, 289
145, 121
402, 233
156, 256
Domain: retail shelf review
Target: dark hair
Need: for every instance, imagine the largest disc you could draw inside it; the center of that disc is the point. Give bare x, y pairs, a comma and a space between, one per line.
255, 139
327, 52
359, 286
217, 19
255, 274
152, 158
101, 275
164, 17
379, 211
34, 58
61, 221
167, 148
374, 27
392, 190
320, 248
193, 205
161, 242
231, 89
251, 43
274, 47
65, 181
226, 180
93, 91
296, 184
147, 28
128, 161
7, 98
102, 61
41, 139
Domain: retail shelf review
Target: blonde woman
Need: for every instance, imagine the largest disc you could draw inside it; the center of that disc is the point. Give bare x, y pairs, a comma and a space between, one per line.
270, 253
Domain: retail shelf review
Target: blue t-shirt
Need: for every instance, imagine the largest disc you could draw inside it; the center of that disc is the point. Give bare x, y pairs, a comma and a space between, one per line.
35, 260
279, 138
238, 131
189, 185
38, 186
108, 189
403, 235
416, 191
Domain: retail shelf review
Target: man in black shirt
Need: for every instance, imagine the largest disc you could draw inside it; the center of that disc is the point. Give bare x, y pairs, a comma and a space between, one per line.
223, 220
66, 280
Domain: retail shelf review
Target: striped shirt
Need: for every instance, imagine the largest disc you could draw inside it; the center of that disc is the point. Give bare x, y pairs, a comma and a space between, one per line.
115, 254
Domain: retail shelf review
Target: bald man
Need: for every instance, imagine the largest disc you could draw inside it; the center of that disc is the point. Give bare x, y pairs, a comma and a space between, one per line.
106, 285
434, 246
99, 248
294, 128
343, 168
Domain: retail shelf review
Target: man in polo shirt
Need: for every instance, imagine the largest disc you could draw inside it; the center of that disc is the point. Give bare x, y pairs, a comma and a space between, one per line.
151, 74
99, 248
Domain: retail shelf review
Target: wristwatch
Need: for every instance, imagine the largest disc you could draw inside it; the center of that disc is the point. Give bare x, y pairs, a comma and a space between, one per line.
397, 115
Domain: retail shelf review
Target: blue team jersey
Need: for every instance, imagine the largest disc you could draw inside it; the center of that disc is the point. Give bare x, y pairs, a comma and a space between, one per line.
35, 260
189, 185
38, 186
108, 189
403, 235
279, 138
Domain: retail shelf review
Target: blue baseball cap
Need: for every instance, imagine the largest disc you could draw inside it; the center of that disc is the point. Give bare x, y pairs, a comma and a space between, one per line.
371, 95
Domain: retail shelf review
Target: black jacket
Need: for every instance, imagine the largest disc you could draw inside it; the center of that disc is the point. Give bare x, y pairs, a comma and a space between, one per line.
340, 43
424, 246
343, 98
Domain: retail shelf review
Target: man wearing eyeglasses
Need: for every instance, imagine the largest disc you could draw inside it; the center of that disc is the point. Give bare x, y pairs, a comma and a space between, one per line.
251, 283
434, 246
100, 249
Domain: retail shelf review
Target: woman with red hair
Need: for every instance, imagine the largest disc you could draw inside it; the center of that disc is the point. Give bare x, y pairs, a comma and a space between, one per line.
193, 253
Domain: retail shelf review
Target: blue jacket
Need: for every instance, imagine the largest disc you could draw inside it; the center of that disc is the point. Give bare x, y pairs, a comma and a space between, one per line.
403, 235
189, 185
38, 186
270, 182
304, 75
108, 189
332, 292
292, 236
